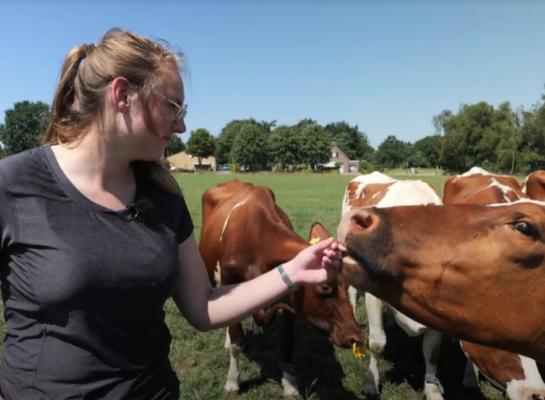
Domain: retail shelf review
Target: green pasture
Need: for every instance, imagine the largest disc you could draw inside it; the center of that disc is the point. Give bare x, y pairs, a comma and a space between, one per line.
325, 372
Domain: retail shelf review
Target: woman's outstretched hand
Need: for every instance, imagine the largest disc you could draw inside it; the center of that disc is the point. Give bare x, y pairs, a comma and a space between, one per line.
316, 264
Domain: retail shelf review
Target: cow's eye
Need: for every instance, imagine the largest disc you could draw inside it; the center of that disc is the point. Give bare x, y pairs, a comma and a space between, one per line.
525, 228
326, 288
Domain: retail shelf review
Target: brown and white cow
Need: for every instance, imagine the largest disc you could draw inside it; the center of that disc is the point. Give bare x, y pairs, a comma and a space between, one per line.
380, 190
244, 234
518, 376
534, 185
478, 186
471, 271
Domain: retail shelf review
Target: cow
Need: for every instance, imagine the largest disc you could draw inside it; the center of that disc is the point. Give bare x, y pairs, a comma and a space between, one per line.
534, 185
471, 271
379, 190
478, 186
245, 234
518, 376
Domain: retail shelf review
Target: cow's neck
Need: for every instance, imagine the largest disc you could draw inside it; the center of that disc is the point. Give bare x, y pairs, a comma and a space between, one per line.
286, 249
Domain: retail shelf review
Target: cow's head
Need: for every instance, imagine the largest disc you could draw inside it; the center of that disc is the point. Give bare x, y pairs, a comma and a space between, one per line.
326, 306
474, 272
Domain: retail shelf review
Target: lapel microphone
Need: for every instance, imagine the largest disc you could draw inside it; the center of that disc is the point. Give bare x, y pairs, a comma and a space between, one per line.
140, 210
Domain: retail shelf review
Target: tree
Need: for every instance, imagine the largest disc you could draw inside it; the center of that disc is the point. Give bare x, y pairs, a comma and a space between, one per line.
353, 142
284, 146
24, 126
393, 152
507, 128
304, 123
2, 149
472, 136
532, 129
175, 146
439, 119
428, 149
250, 147
201, 144
268, 126
229, 133
315, 146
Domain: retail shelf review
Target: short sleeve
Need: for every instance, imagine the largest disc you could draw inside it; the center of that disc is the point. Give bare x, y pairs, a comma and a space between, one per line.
8, 220
185, 222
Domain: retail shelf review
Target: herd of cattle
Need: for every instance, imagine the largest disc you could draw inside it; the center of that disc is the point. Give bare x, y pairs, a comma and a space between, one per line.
468, 265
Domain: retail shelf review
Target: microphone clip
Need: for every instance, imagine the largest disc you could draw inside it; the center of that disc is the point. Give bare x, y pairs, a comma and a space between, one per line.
140, 210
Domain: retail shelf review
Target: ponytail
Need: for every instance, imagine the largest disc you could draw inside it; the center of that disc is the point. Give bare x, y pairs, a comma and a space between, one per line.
62, 107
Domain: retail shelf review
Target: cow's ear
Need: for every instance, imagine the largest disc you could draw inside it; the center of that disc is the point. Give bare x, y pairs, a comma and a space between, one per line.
318, 231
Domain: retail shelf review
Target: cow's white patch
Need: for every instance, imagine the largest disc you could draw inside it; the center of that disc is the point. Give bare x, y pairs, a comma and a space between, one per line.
217, 274
475, 171
409, 193
525, 184
530, 385
373, 177
504, 189
539, 203
227, 339
515, 389
363, 180
229, 216
289, 383
257, 330
233, 375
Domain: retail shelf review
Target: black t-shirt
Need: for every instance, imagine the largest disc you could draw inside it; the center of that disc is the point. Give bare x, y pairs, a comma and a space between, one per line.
84, 287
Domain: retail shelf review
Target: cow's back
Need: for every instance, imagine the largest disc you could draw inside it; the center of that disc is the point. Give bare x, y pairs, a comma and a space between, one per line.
358, 189
481, 189
241, 223
380, 190
221, 194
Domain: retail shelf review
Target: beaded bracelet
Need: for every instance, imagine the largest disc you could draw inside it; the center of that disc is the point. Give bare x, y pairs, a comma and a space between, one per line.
286, 278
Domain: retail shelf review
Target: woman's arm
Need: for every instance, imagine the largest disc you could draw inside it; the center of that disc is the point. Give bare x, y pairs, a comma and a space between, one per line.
206, 308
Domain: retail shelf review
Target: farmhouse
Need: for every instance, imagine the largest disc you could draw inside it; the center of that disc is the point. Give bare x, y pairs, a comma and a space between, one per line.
186, 162
338, 156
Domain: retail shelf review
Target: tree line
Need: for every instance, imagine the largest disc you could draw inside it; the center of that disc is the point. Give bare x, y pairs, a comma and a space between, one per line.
499, 139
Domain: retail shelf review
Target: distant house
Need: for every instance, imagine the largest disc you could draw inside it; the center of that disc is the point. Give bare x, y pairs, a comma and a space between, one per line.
338, 156
186, 162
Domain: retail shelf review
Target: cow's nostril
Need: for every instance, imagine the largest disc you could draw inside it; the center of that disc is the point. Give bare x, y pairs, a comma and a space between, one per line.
356, 339
363, 221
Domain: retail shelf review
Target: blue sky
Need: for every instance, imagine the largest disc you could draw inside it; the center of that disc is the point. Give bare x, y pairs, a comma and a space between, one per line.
387, 66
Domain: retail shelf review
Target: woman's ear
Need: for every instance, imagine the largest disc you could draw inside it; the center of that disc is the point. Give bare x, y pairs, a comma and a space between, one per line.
120, 94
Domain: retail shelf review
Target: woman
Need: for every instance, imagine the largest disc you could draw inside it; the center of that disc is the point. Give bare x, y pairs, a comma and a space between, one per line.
95, 236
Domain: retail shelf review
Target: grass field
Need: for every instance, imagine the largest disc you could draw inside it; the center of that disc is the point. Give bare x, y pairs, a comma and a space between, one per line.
325, 372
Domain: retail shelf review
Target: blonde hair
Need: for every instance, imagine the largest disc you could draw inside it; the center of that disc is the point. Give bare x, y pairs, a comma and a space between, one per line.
78, 100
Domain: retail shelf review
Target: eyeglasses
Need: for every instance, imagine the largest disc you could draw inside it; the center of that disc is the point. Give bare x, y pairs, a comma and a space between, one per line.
181, 110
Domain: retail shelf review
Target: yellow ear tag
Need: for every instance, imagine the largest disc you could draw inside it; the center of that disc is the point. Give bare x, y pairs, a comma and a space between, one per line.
314, 240
358, 353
